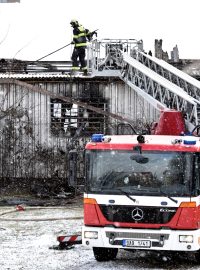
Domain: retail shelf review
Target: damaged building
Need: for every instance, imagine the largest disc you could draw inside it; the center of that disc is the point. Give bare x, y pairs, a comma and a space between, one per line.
39, 130
47, 116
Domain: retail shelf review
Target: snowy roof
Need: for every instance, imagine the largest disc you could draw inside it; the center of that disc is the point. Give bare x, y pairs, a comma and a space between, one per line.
33, 75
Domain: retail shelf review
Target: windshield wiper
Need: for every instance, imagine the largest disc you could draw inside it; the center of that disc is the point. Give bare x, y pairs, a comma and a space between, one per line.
121, 191
127, 194
166, 195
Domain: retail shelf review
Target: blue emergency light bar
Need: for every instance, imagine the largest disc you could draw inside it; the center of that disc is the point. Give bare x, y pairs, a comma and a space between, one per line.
189, 141
97, 137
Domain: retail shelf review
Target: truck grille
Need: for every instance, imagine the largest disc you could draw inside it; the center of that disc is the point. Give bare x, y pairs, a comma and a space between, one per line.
125, 235
138, 214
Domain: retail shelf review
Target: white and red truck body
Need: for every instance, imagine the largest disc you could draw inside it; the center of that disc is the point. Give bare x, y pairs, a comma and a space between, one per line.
130, 200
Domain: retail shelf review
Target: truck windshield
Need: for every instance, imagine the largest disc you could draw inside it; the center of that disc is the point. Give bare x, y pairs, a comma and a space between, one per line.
154, 173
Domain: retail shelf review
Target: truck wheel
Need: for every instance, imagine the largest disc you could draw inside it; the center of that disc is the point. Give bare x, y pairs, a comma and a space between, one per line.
104, 254
197, 257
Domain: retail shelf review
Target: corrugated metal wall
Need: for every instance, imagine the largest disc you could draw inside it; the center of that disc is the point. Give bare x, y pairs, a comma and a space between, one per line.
126, 102
29, 150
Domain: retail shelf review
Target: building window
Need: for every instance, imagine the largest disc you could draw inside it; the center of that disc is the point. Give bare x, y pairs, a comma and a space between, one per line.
66, 118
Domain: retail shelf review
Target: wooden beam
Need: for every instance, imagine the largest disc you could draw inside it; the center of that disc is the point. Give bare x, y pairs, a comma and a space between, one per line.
34, 88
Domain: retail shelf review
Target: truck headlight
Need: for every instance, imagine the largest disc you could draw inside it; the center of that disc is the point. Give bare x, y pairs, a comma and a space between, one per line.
186, 238
90, 234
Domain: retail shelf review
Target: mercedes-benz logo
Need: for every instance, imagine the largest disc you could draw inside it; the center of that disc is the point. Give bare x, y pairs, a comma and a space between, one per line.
137, 214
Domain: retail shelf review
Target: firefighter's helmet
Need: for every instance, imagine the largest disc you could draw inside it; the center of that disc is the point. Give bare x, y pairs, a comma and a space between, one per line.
74, 22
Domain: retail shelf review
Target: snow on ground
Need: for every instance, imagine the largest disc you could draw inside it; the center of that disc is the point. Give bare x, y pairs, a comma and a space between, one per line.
25, 244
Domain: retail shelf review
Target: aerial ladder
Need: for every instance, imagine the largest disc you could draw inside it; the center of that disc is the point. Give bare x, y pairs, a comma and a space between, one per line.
159, 83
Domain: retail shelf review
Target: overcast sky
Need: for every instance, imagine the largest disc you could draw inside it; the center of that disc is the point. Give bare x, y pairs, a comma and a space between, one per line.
33, 28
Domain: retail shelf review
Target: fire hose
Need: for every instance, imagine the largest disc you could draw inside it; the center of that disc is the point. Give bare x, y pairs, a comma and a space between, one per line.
23, 208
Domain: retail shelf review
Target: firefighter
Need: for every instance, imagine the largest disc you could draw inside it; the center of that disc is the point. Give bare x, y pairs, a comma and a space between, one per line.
80, 38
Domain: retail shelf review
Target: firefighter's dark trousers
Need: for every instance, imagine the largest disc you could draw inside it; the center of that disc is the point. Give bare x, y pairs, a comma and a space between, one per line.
78, 55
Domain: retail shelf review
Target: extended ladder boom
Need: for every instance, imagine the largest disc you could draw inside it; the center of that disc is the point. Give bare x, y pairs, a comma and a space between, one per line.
176, 76
157, 90
159, 83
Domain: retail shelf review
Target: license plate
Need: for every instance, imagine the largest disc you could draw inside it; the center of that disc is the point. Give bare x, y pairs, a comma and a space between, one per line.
136, 243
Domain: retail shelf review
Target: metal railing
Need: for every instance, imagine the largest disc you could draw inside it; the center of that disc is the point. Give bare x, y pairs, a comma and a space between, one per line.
103, 55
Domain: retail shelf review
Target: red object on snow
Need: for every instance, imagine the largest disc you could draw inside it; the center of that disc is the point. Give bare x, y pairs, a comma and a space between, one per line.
70, 239
20, 207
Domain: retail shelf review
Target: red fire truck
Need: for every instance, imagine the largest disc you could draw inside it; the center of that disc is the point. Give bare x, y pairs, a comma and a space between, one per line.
142, 191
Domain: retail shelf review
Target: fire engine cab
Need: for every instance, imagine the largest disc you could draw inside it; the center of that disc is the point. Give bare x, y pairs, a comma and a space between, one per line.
142, 192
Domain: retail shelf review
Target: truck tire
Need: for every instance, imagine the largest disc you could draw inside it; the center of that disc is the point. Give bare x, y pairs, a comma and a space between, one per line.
105, 254
197, 257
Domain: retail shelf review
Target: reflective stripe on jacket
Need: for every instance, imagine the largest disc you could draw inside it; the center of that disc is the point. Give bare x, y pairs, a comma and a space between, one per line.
80, 36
